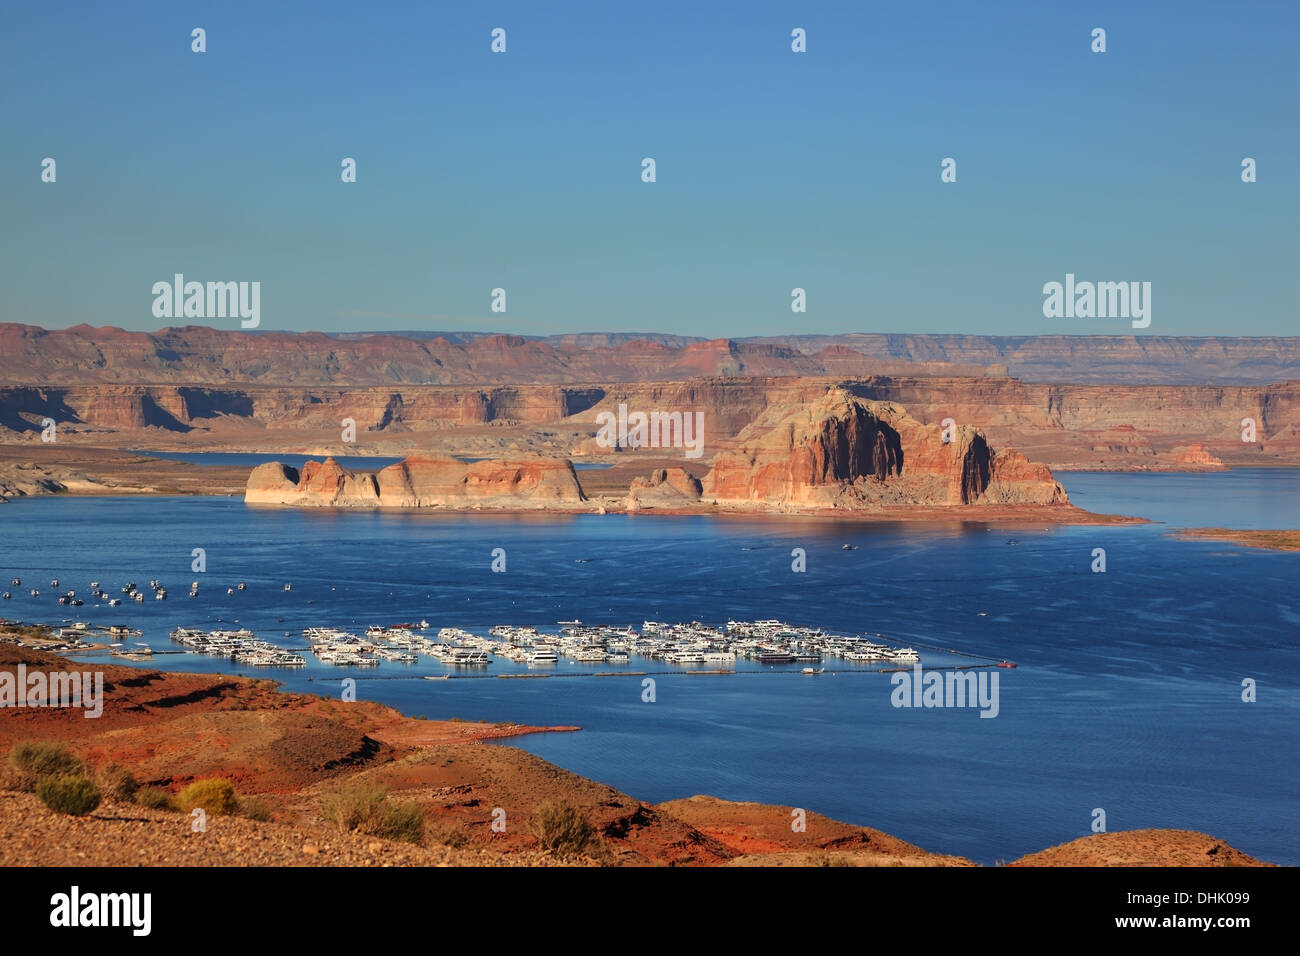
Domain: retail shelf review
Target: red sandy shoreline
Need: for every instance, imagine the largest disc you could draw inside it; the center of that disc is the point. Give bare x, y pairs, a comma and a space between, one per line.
292, 750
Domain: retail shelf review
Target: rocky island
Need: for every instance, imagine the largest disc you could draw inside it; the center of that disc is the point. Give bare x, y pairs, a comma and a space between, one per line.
419, 483
836, 454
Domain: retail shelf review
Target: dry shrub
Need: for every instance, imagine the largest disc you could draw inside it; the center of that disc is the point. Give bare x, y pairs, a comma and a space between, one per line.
116, 783
154, 798
213, 795
365, 808
561, 828
74, 794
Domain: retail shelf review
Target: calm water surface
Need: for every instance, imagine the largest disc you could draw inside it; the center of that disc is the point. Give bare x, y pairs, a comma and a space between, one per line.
1127, 697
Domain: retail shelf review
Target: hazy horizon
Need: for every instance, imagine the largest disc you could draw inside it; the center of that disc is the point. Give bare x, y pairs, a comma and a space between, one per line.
630, 334
775, 169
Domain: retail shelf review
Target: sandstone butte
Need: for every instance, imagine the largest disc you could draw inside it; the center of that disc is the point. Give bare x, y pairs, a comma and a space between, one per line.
835, 452
419, 483
1196, 457
846, 452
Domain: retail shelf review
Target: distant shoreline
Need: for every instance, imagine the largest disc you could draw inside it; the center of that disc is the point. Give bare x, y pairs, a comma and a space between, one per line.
1268, 540
87, 471
1002, 515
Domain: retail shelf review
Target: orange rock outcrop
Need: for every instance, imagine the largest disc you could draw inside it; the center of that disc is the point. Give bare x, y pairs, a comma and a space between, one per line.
444, 482
419, 483
843, 451
1195, 457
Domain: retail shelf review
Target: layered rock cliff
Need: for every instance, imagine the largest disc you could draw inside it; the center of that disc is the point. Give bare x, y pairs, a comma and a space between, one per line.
845, 452
204, 355
1068, 426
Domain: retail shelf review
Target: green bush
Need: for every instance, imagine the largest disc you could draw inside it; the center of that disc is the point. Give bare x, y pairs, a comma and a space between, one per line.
561, 828
45, 758
213, 795
403, 822
116, 783
154, 798
75, 794
365, 808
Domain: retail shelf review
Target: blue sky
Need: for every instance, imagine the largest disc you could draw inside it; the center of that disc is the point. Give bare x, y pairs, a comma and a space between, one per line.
775, 170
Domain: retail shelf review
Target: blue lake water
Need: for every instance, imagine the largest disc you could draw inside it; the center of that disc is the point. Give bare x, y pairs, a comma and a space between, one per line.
1127, 696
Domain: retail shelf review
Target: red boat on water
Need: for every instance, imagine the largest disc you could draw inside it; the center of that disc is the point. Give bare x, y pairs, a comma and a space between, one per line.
1006, 664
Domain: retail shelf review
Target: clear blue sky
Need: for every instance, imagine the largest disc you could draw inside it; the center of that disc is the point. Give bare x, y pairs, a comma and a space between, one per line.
775, 169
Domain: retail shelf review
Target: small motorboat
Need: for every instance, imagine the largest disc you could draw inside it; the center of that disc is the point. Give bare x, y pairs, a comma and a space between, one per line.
813, 670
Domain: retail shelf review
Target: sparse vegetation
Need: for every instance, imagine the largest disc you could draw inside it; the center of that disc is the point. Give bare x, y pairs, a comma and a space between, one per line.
213, 795
561, 828
74, 794
41, 759
254, 808
154, 798
366, 808
830, 859
28, 632
448, 834
116, 783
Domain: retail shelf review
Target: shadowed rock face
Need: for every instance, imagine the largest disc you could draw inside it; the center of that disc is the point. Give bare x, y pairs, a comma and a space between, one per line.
330, 483
418, 483
842, 451
847, 446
